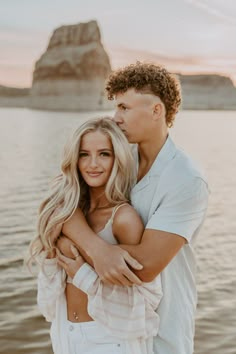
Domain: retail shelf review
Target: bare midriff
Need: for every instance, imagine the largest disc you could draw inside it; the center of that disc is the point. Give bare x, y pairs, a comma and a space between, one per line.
77, 302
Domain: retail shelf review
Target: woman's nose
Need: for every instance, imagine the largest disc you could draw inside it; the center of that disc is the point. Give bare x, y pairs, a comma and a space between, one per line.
93, 161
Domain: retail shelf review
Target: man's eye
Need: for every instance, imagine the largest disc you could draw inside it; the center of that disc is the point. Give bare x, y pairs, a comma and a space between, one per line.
122, 108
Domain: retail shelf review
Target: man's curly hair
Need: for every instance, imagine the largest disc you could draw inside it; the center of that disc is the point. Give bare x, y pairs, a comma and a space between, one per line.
148, 78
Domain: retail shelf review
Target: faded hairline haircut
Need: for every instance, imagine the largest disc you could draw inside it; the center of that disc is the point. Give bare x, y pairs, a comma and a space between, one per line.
69, 190
148, 78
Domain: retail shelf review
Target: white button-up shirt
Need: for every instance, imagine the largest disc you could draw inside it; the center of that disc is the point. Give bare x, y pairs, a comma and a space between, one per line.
173, 197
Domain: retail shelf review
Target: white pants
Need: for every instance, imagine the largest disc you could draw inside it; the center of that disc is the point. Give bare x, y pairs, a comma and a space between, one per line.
91, 338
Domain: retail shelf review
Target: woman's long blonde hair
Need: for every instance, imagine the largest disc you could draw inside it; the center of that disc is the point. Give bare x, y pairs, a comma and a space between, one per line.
69, 191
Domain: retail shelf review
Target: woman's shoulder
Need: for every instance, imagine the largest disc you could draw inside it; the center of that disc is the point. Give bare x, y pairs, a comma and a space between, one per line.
123, 209
125, 220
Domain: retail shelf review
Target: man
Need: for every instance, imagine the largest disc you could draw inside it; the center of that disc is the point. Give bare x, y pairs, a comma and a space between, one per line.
171, 197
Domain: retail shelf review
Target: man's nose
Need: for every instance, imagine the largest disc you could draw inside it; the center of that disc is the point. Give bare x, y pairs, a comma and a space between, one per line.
117, 118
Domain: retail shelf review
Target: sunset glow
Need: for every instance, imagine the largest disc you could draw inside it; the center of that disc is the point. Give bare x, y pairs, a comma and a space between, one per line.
187, 36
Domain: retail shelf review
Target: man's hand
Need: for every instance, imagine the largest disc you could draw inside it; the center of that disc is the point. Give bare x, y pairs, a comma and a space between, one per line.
112, 265
110, 262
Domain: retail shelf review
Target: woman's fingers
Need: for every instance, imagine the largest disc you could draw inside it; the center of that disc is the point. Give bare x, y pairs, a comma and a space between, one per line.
63, 259
70, 265
74, 251
64, 245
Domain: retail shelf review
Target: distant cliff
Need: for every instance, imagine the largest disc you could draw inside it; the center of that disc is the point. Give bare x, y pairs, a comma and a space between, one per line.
14, 97
208, 92
71, 74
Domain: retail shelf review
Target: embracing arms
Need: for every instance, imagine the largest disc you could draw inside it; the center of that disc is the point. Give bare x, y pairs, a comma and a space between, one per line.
174, 223
126, 311
155, 251
114, 268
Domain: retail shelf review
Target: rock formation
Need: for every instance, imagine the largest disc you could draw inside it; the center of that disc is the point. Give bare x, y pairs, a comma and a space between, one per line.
71, 74
208, 92
14, 97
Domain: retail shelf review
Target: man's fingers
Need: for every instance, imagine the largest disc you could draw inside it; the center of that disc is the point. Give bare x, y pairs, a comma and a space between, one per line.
115, 278
110, 281
132, 277
124, 281
122, 277
132, 262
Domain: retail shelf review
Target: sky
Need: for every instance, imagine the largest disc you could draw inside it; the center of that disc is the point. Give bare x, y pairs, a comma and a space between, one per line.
188, 36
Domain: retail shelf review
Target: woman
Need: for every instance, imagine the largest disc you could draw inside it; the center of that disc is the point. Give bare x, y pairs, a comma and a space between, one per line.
88, 316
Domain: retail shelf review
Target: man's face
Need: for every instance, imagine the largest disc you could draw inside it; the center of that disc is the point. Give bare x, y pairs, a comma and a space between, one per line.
134, 113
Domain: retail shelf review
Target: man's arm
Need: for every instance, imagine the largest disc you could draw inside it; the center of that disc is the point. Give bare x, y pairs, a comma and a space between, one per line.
155, 252
105, 300
110, 262
173, 223
171, 226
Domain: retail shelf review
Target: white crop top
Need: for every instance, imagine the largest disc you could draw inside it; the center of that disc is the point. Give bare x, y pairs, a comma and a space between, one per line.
106, 233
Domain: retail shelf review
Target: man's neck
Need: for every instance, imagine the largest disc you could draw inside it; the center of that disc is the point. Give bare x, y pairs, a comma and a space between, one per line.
148, 152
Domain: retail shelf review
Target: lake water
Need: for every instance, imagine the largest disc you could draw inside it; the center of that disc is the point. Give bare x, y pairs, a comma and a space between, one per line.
30, 148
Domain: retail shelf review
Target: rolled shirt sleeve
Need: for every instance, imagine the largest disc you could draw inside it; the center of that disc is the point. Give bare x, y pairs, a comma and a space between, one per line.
51, 284
126, 312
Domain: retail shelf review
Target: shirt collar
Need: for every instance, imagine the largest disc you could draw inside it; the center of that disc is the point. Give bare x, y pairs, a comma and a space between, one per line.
166, 154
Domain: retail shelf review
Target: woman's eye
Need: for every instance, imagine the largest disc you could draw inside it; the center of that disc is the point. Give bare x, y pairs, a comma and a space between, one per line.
104, 153
83, 154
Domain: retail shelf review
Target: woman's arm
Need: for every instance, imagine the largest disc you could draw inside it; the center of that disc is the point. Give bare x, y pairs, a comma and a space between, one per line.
126, 311
51, 285
110, 262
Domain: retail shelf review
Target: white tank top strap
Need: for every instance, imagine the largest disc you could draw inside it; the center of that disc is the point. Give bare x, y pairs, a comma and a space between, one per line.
115, 210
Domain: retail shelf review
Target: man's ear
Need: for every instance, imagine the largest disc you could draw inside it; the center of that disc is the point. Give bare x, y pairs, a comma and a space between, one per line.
158, 110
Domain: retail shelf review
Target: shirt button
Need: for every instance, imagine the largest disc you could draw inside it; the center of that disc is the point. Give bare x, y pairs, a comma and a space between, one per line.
71, 328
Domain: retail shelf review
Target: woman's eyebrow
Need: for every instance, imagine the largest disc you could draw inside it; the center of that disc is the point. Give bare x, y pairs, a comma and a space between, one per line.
103, 149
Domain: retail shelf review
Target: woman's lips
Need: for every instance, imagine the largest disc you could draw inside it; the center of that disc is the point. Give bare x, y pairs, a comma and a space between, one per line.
94, 174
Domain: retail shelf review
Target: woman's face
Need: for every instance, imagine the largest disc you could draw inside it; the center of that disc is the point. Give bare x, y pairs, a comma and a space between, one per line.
96, 158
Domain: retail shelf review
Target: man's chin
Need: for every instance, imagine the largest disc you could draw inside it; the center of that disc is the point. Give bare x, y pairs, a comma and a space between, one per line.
126, 135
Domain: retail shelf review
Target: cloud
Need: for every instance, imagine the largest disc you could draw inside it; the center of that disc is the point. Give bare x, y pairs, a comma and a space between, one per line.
217, 9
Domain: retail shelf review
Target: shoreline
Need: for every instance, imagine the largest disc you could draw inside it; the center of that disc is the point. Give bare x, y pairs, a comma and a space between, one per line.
24, 102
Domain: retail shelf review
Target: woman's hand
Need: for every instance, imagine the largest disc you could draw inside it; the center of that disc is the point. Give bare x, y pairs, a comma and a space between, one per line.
64, 244
71, 265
